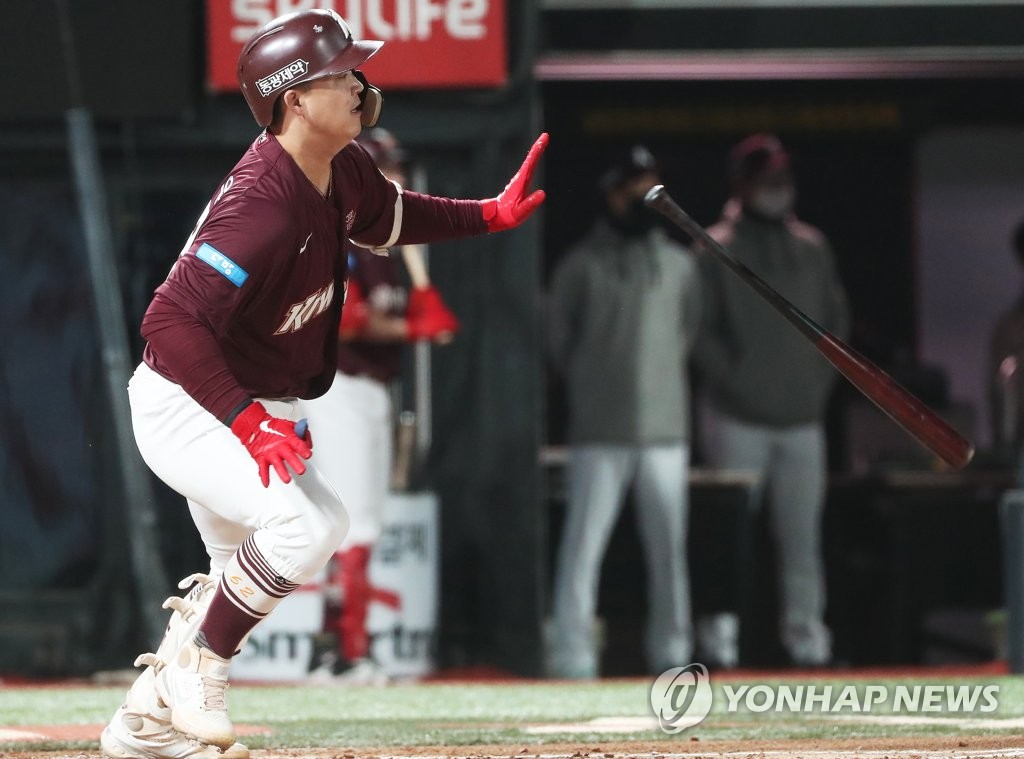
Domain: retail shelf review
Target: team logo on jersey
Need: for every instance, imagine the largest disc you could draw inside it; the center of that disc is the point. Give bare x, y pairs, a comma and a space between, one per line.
300, 314
350, 220
284, 75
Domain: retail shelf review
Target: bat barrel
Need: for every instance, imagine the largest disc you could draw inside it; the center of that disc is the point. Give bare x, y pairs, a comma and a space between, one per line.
902, 406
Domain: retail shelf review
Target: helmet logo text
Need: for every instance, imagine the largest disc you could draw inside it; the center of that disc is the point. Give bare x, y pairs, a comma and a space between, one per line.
284, 75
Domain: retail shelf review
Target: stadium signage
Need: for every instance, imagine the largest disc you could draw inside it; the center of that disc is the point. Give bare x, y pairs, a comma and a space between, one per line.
430, 43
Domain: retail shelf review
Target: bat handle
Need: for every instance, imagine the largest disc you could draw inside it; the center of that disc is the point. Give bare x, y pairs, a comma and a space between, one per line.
301, 426
416, 263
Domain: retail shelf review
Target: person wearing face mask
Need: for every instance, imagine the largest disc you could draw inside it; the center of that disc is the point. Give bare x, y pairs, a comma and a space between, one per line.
622, 311
767, 388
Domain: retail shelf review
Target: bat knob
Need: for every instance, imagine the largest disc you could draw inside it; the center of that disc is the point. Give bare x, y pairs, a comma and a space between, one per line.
300, 427
653, 194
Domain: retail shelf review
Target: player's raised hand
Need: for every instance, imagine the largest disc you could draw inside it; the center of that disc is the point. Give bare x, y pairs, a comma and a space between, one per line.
511, 208
273, 442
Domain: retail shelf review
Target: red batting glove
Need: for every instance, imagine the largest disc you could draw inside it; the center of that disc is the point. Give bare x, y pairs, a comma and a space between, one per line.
510, 208
273, 442
427, 316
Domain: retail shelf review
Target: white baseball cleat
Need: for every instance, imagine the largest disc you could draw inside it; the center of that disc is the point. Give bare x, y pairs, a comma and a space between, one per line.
195, 686
146, 736
141, 728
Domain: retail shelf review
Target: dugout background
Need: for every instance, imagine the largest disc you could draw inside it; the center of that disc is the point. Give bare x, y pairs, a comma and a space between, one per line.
67, 594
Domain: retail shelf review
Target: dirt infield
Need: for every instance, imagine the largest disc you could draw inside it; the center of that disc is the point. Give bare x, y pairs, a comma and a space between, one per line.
692, 748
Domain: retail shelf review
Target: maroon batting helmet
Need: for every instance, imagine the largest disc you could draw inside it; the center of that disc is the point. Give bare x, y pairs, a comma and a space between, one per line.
296, 48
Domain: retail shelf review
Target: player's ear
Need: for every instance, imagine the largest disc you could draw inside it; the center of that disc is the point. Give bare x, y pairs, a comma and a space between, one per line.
291, 99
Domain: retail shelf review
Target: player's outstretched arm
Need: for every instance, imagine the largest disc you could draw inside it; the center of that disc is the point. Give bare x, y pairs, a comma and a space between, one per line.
273, 442
431, 218
513, 206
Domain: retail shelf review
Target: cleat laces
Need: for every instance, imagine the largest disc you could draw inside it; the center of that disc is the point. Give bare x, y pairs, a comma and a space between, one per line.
214, 693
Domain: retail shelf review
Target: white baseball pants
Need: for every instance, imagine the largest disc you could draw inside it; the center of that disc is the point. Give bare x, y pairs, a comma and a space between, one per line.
792, 465
598, 477
296, 527
351, 426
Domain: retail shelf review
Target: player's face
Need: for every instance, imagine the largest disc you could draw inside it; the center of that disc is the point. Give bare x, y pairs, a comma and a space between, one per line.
332, 106
771, 194
626, 198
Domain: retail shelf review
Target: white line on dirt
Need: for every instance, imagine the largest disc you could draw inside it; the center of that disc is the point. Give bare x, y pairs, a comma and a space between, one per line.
6, 734
598, 725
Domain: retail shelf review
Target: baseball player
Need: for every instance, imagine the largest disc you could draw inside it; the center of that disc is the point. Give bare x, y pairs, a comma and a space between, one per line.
244, 325
354, 422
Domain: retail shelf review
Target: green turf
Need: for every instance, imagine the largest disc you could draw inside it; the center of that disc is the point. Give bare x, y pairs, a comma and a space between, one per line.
474, 714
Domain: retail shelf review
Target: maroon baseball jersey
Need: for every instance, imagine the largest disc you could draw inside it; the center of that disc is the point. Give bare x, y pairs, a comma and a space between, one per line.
379, 281
251, 306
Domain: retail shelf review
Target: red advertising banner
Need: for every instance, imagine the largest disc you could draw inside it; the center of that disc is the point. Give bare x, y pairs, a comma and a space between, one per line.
429, 43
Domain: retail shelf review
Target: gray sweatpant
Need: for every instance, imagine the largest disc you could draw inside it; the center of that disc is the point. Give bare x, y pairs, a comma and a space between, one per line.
792, 465
598, 478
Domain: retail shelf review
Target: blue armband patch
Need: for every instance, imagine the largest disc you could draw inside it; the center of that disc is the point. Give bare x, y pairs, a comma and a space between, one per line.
232, 271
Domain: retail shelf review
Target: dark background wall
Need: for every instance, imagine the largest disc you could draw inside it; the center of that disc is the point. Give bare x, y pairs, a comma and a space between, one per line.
131, 60
867, 130
165, 142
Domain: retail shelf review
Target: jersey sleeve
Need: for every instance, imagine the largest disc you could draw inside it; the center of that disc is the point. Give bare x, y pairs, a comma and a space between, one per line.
228, 260
386, 215
372, 205
222, 267
429, 218
181, 346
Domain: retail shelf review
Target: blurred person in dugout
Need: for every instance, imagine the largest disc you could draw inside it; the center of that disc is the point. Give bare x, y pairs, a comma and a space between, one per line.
355, 424
765, 388
1006, 377
622, 311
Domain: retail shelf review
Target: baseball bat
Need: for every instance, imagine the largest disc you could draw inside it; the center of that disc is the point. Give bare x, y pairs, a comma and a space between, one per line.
416, 264
908, 411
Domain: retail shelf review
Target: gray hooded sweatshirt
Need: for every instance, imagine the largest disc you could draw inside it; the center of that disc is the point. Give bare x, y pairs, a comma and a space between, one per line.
622, 313
758, 368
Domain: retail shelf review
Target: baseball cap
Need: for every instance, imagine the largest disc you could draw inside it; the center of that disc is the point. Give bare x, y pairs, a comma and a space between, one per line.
634, 162
756, 155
